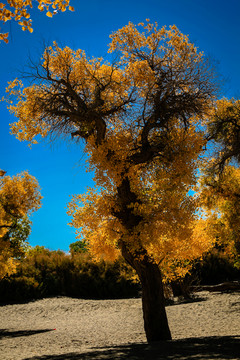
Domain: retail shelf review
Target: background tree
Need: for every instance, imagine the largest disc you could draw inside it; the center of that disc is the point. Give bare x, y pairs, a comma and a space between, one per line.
19, 196
18, 236
223, 128
18, 10
79, 246
139, 118
221, 180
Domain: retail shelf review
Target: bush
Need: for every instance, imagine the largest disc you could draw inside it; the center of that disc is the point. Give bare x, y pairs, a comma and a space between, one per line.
215, 268
45, 273
18, 289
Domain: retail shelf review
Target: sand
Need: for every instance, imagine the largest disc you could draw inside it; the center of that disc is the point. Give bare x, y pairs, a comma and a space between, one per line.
64, 328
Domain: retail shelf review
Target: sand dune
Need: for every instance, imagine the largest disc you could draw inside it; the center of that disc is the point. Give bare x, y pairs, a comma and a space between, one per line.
71, 329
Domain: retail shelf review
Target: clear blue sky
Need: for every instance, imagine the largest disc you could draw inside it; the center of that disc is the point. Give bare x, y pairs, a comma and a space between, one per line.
213, 25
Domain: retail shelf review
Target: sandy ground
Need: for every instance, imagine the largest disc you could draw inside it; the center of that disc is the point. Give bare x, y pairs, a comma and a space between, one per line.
72, 329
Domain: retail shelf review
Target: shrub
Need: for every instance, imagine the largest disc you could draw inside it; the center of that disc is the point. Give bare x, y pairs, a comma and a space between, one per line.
216, 267
45, 273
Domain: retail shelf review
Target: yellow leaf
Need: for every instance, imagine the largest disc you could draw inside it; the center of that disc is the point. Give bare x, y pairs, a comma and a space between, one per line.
71, 8
49, 14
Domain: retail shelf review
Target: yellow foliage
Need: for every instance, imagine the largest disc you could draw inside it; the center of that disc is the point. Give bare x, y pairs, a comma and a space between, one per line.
8, 264
220, 201
170, 230
18, 10
19, 196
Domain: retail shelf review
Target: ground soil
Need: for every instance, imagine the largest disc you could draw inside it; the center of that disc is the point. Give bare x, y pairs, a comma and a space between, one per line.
72, 329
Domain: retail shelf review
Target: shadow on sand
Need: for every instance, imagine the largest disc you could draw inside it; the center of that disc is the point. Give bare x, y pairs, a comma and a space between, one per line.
218, 348
12, 334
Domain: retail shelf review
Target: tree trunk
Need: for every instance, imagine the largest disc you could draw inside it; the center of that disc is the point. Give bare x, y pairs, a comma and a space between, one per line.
153, 302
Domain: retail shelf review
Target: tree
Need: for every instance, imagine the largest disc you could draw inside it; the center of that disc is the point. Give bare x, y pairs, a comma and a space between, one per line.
18, 236
223, 128
19, 196
220, 183
18, 10
139, 119
224, 211
79, 246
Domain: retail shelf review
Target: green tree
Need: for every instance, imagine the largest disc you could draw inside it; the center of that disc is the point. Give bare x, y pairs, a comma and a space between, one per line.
79, 246
18, 236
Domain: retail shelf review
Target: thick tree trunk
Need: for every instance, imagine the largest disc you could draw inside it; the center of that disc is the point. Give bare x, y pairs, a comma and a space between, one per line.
153, 302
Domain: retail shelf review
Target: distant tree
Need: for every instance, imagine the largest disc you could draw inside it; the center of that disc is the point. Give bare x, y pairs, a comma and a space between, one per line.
18, 10
139, 118
79, 246
18, 236
19, 196
38, 250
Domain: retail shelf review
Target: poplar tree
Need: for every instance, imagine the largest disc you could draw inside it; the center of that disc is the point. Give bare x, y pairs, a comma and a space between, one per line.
139, 118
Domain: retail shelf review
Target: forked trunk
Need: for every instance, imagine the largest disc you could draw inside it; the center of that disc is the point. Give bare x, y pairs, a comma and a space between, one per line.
153, 302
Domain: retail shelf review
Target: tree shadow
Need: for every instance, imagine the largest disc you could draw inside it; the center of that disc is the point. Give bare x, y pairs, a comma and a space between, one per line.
12, 334
206, 348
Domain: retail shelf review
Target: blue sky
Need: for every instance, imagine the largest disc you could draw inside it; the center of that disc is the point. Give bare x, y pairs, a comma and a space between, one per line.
213, 26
